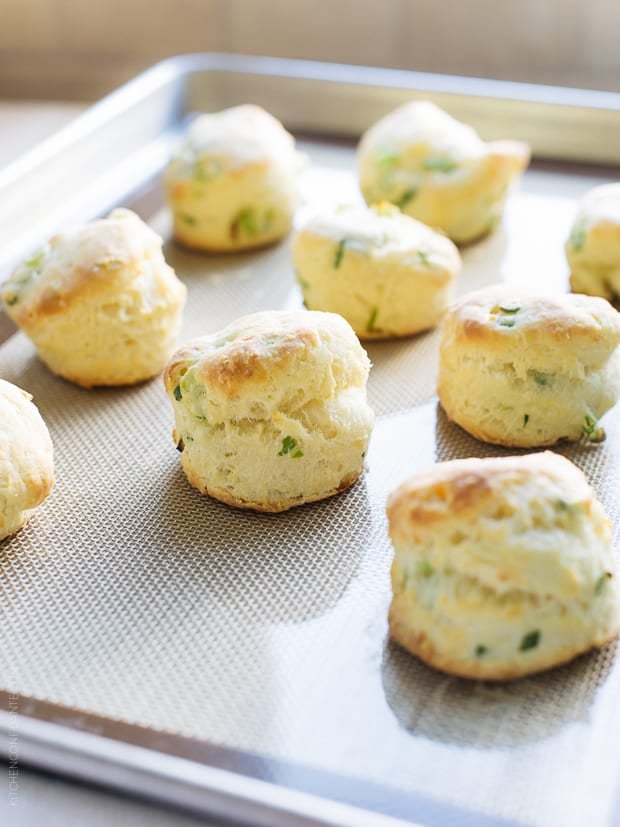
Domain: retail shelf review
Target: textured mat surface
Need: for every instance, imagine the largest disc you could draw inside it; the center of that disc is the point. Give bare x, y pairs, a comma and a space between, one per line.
133, 597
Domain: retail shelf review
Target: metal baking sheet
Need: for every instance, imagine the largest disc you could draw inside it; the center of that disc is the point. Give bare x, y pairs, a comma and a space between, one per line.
236, 663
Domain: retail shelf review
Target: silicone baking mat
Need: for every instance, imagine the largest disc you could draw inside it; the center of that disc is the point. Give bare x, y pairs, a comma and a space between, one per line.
132, 597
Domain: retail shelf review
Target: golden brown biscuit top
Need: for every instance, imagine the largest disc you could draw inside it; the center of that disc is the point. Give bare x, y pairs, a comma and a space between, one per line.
527, 523
424, 125
419, 136
502, 317
380, 231
99, 254
230, 139
463, 487
268, 348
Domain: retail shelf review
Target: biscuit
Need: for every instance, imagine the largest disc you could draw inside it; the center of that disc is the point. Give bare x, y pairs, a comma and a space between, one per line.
26, 459
525, 370
502, 567
271, 411
386, 273
99, 302
439, 170
233, 183
593, 246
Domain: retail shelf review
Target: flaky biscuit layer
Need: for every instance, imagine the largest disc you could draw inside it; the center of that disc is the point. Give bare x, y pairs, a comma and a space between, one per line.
439, 170
503, 567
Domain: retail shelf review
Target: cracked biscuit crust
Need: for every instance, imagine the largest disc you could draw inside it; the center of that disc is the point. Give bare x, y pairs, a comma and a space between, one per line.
271, 411
386, 273
99, 302
502, 567
527, 370
233, 183
439, 170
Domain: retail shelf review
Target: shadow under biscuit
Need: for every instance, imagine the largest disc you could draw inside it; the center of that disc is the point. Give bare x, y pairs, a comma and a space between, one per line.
429, 703
191, 264
476, 255
58, 398
600, 462
223, 287
21, 365
488, 715
261, 568
198, 263
453, 442
404, 371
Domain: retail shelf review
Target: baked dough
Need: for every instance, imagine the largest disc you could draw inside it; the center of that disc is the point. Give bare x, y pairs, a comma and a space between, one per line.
99, 302
26, 459
522, 369
271, 411
593, 246
233, 183
439, 170
386, 273
502, 567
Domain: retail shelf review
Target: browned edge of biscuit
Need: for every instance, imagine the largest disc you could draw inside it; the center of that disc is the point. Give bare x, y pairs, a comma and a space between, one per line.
417, 643
270, 507
228, 250
482, 436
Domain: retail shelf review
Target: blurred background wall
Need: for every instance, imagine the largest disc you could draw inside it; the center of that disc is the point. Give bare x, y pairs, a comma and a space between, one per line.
80, 49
